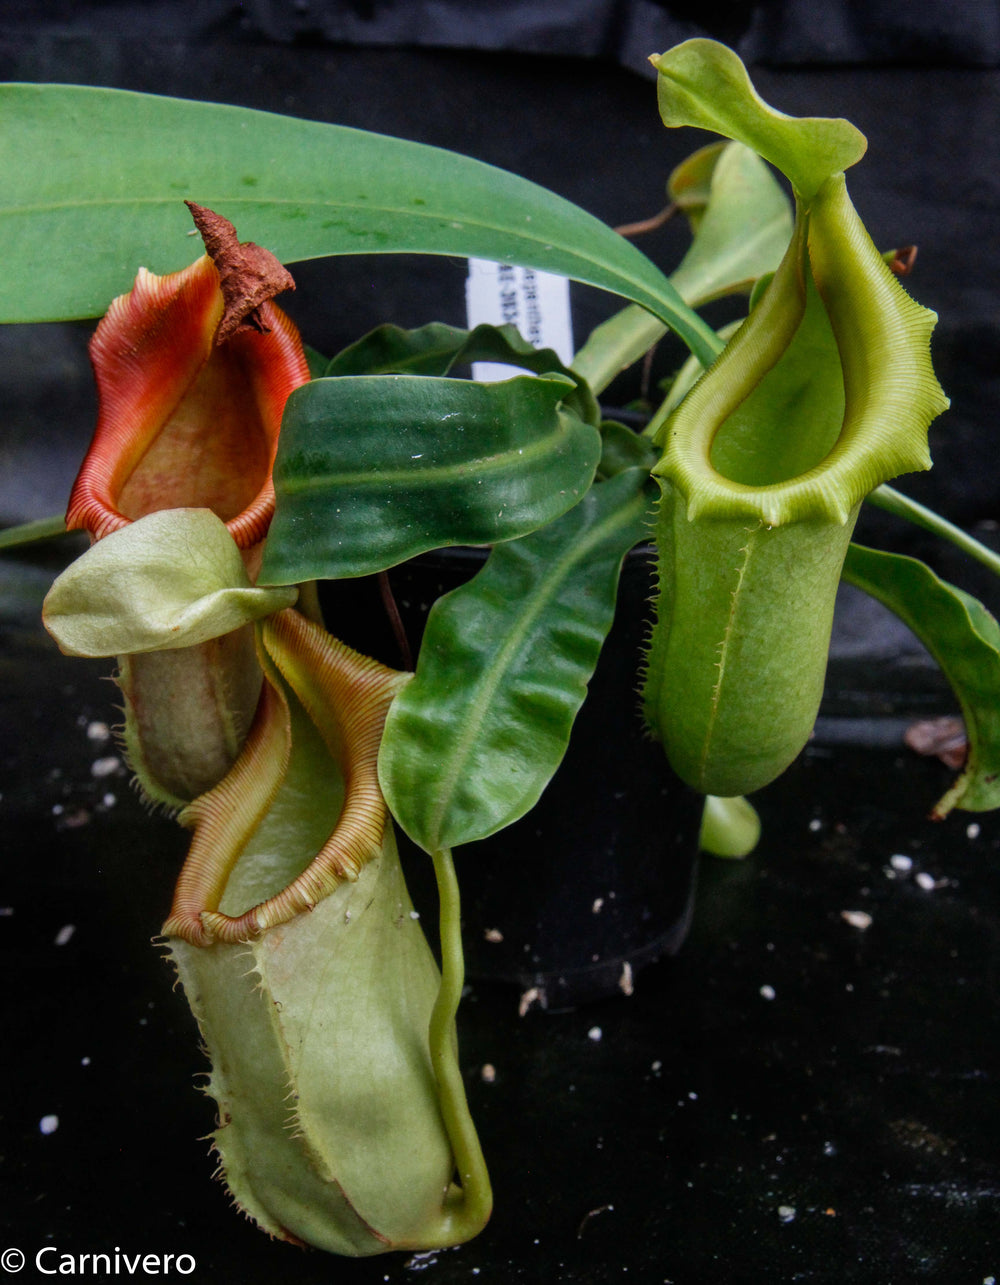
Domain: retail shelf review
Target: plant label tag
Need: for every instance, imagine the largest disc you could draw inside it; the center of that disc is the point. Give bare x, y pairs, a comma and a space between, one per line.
537, 303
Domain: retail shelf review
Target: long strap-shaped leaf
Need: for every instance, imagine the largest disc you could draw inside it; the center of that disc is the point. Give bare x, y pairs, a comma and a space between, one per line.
93, 181
471, 743
964, 639
375, 469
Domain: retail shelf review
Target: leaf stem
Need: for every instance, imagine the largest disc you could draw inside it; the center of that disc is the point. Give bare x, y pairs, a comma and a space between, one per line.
395, 620
27, 532
615, 344
466, 1209
893, 501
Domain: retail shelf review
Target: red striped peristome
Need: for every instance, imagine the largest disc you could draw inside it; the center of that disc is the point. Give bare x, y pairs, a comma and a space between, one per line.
184, 422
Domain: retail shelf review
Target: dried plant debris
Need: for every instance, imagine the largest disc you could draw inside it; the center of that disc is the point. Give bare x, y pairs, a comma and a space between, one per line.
249, 275
944, 738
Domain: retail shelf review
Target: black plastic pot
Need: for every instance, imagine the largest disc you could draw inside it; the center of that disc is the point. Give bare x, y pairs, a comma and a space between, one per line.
598, 879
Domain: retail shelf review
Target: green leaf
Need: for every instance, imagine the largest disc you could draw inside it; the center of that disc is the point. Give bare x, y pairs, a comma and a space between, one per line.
13, 537
624, 449
704, 84
740, 233
374, 469
902, 506
436, 349
391, 350
172, 579
316, 361
742, 223
689, 186
472, 741
964, 639
94, 180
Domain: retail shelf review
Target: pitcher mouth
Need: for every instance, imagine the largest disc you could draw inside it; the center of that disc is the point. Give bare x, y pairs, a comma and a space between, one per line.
345, 697
879, 394
193, 371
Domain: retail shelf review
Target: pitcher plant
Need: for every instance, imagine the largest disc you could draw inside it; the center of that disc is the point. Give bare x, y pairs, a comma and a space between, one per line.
231, 470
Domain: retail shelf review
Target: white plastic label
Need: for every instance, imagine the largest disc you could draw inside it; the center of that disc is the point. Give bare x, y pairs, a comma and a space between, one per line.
537, 303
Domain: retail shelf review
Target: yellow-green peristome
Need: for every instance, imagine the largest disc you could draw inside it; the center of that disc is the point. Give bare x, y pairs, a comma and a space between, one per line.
824, 393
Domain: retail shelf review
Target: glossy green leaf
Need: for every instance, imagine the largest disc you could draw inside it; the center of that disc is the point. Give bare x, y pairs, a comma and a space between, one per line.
171, 579
964, 639
94, 181
471, 743
436, 349
624, 449
374, 469
704, 84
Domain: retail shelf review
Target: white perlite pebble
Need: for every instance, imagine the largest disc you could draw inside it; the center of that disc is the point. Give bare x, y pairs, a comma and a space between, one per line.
626, 983
900, 861
101, 768
768, 992
859, 919
596, 1034
48, 1124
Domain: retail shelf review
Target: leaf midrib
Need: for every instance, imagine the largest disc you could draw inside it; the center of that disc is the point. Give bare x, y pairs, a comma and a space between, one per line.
492, 676
430, 475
